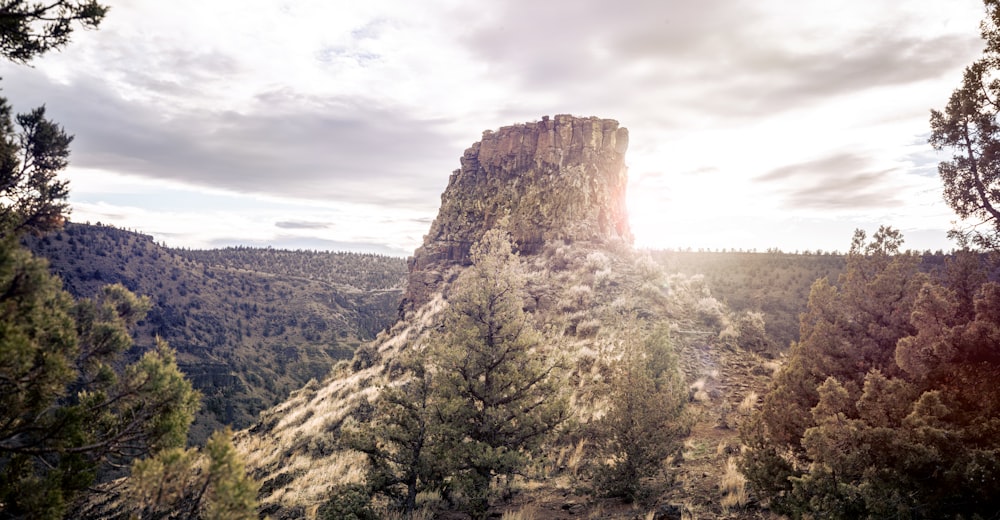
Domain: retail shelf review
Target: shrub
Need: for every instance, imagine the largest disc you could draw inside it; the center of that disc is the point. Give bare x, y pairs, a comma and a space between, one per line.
348, 502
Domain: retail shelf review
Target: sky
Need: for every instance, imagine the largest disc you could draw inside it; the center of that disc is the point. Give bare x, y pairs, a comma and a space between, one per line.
327, 124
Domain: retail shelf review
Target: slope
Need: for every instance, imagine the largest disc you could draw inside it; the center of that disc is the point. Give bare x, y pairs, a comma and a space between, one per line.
246, 337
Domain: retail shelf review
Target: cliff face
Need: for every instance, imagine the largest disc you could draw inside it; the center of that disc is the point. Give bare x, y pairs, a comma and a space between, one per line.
562, 178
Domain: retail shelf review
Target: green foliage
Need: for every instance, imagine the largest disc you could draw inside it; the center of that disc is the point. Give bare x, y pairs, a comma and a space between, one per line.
748, 332
888, 406
32, 198
71, 406
211, 484
773, 284
246, 335
348, 502
365, 271
402, 439
968, 127
29, 29
497, 392
646, 420
846, 331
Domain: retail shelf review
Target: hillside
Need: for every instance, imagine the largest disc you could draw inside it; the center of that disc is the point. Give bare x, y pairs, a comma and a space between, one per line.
588, 293
579, 294
774, 283
249, 325
587, 298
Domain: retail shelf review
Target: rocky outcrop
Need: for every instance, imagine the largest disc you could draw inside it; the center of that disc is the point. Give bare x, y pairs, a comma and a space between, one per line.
560, 178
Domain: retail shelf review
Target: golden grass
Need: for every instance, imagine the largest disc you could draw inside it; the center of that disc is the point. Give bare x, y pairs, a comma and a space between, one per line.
573, 464
749, 402
311, 413
733, 486
772, 366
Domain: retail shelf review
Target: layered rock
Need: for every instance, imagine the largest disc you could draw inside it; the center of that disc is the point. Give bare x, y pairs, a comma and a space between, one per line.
562, 178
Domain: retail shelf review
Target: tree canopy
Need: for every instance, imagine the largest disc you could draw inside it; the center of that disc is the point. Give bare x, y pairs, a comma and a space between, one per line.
887, 407
497, 386
70, 406
32, 154
968, 127
31, 28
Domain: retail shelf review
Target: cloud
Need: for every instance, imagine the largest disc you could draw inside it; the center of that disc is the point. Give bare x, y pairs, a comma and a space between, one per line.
298, 224
371, 104
834, 164
841, 181
286, 144
716, 58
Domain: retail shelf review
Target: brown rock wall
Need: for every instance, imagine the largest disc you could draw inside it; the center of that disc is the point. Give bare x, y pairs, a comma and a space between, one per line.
561, 178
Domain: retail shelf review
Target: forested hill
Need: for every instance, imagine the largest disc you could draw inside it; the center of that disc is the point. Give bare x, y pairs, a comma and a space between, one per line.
249, 325
773, 282
364, 271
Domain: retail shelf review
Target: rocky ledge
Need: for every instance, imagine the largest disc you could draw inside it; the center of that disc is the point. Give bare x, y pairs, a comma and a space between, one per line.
560, 178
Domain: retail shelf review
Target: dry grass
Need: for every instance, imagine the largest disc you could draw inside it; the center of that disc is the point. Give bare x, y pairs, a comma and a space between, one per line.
588, 328
734, 487
590, 354
576, 457
308, 415
694, 450
749, 403
596, 512
772, 366
528, 512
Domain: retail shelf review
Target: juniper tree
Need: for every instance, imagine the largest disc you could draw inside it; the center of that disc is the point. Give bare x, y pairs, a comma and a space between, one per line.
497, 394
31, 28
69, 405
211, 483
32, 198
402, 438
32, 154
847, 330
888, 406
968, 127
646, 419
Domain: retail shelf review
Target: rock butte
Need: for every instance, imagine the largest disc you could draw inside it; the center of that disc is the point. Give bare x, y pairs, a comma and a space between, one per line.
561, 178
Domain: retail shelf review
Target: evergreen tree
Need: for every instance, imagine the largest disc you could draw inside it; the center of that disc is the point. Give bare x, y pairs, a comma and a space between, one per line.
908, 432
211, 484
968, 127
646, 420
401, 440
497, 393
846, 331
70, 406
32, 198
31, 28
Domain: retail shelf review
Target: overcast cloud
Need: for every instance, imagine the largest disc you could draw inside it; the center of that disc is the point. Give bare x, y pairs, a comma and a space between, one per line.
337, 124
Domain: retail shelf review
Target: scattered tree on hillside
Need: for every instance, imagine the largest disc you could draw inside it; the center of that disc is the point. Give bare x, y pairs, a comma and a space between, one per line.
29, 29
400, 440
646, 419
67, 405
497, 391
